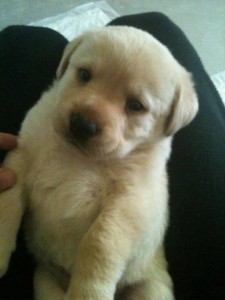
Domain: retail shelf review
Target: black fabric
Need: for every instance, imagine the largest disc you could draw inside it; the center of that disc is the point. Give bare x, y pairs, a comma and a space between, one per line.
29, 57
195, 241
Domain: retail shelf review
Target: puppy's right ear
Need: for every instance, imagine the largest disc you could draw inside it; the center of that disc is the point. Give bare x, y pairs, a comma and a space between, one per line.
185, 105
70, 48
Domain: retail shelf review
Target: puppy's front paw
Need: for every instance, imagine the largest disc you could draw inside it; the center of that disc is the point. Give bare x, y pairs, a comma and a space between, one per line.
87, 297
161, 292
146, 291
4, 262
89, 292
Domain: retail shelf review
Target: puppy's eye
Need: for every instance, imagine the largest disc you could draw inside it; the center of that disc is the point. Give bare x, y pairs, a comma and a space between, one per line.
135, 105
84, 75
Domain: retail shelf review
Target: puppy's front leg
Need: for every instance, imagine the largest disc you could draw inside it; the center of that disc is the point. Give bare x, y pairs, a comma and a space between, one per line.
103, 254
12, 207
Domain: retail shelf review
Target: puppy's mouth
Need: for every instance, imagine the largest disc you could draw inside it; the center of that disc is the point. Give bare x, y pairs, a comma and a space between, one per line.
81, 146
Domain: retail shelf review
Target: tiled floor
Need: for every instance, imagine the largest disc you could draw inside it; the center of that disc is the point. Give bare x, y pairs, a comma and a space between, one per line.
202, 20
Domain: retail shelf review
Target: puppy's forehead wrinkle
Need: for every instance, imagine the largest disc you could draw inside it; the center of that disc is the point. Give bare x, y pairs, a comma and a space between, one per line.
120, 45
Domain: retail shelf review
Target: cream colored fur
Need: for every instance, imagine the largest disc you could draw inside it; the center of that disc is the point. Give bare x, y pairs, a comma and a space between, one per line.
96, 214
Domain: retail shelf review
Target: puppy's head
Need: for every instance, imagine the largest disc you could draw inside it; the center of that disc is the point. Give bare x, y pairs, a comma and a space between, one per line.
118, 89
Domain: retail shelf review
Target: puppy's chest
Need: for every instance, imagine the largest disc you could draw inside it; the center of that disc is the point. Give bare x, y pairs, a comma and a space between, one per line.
63, 201
63, 192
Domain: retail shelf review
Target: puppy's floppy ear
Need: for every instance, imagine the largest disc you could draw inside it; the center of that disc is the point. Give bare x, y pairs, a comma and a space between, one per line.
70, 48
184, 107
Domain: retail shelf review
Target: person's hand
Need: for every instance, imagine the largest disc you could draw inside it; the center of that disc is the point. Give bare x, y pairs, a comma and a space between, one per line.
7, 176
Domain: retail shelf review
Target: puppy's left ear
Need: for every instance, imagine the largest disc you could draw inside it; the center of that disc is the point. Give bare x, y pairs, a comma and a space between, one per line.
184, 107
69, 50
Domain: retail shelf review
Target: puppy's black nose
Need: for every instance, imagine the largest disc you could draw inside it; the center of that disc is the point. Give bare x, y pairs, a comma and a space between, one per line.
81, 128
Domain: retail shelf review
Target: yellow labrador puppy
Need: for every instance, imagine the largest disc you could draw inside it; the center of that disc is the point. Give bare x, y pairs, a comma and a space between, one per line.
91, 167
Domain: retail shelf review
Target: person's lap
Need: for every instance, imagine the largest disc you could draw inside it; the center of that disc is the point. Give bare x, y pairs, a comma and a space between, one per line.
195, 240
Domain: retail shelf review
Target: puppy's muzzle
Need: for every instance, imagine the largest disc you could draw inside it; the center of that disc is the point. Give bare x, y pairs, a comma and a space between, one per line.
82, 129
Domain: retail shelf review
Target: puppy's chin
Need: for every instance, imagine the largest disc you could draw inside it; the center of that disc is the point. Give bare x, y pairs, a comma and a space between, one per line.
97, 151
